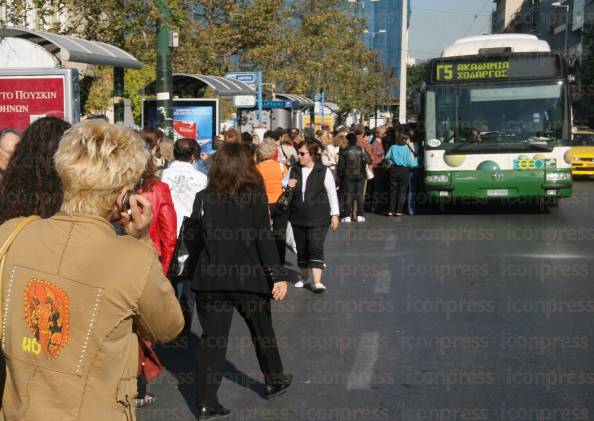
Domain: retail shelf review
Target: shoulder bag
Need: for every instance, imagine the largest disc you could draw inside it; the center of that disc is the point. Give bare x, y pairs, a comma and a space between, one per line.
188, 246
22, 224
284, 201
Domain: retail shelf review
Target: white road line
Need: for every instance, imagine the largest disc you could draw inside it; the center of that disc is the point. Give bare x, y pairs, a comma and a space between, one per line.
383, 282
361, 376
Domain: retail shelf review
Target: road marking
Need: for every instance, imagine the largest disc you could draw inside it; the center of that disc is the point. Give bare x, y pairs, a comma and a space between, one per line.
383, 282
361, 376
391, 241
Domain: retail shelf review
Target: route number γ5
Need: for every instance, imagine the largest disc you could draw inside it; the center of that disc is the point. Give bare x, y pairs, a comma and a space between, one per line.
529, 164
445, 71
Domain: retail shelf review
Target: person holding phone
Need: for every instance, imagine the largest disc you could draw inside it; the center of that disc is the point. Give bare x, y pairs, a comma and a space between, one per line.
237, 267
82, 295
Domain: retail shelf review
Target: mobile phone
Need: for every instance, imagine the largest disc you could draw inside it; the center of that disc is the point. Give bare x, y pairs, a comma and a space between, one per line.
126, 202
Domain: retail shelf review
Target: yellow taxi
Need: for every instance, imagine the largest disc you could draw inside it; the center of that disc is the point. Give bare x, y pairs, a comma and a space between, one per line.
582, 153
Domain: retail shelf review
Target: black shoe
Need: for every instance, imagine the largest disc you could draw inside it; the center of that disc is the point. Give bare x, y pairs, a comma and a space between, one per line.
277, 390
206, 413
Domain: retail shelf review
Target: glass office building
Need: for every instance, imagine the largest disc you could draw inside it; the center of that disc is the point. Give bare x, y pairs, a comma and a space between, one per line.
382, 15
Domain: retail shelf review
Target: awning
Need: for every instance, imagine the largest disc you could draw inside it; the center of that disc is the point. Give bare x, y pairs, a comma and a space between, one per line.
332, 106
189, 86
69, 48
300, 100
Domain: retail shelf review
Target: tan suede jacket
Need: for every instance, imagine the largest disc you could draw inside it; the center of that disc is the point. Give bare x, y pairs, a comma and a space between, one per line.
74, 297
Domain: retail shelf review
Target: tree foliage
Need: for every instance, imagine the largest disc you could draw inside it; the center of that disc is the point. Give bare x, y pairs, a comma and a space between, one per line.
301, 46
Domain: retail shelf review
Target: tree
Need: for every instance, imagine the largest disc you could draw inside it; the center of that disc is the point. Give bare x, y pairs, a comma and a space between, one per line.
301, 48
415, 78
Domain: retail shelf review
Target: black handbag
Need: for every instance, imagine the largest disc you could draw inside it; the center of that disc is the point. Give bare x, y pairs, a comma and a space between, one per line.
284, 201
188, 247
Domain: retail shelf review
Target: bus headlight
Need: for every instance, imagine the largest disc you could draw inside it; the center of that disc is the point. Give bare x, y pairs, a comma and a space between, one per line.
437, 179
559, 176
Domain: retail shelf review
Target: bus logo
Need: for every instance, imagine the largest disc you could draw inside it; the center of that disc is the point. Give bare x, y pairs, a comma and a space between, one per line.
529, 164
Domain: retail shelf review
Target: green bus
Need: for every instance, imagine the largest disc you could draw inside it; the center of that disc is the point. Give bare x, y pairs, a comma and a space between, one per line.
497, 120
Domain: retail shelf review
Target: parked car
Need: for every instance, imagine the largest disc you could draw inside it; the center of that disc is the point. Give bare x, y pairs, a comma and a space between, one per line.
582, 153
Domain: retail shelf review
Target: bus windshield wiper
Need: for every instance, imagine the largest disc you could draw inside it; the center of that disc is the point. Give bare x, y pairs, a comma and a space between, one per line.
533, 146
470, 147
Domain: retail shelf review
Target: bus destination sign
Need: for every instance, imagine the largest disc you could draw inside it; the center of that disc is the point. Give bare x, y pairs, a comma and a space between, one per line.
472, 71
496, 69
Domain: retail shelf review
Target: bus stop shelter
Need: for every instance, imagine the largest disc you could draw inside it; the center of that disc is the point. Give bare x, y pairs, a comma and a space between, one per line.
28, 54
194, 86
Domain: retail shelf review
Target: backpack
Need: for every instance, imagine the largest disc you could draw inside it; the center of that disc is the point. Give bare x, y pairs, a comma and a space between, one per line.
354, 162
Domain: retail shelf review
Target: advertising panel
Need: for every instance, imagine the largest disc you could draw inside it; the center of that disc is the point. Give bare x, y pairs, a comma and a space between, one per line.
24, 99
192, 118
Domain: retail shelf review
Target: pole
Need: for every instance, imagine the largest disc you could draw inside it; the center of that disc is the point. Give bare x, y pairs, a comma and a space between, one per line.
373, 34
118, 93
403, 62
322, 101
567, 32
164, 78
260, 113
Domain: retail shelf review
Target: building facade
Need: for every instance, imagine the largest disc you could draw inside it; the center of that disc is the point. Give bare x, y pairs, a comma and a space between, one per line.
562, 24
384, 29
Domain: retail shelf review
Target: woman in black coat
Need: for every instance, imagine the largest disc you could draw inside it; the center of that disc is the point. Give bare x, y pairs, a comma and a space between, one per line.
237, 268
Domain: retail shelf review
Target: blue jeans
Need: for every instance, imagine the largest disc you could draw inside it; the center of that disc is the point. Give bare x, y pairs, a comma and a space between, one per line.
412, 191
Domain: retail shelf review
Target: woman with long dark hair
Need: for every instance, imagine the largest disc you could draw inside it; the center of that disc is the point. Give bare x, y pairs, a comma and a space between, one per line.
30, 184
237, 268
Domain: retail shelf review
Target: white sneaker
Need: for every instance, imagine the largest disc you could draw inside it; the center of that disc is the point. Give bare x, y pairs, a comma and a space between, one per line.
347, 219
360, 219
319, 287
300, 284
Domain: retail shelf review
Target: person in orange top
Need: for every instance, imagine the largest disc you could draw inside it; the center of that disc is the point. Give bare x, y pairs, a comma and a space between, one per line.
272, 172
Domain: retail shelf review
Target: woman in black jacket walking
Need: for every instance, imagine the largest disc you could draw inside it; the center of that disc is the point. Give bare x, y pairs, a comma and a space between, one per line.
237, 268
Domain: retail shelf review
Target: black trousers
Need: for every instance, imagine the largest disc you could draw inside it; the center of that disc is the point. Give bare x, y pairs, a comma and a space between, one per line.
380, 190
352, 192
310, 246
280, 220
398, 188
186, 298
215, 312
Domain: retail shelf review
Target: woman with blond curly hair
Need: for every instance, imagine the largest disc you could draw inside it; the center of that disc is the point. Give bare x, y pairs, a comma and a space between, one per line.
76, 295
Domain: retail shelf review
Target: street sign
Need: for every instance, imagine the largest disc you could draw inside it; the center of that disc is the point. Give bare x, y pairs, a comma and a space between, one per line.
269, 105
317, 97
244, 101
250, 79
245, 77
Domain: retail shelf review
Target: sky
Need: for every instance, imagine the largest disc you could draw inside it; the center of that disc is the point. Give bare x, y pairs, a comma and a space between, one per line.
435, 24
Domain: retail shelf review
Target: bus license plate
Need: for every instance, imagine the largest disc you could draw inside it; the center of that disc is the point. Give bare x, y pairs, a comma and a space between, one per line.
497, 193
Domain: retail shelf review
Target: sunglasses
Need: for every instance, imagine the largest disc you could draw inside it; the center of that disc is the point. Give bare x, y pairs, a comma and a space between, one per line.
303, 153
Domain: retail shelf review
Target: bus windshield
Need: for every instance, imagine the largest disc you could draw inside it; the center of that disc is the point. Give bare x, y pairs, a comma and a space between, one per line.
497, 116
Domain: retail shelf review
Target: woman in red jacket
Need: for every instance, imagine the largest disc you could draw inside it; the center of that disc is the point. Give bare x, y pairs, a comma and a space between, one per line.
163, 228
163, 232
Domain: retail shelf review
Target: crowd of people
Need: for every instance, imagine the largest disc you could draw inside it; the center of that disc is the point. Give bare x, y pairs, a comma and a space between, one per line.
93, 218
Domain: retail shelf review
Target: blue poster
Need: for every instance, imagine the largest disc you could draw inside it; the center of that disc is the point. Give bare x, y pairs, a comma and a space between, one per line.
192, 119
194, 122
